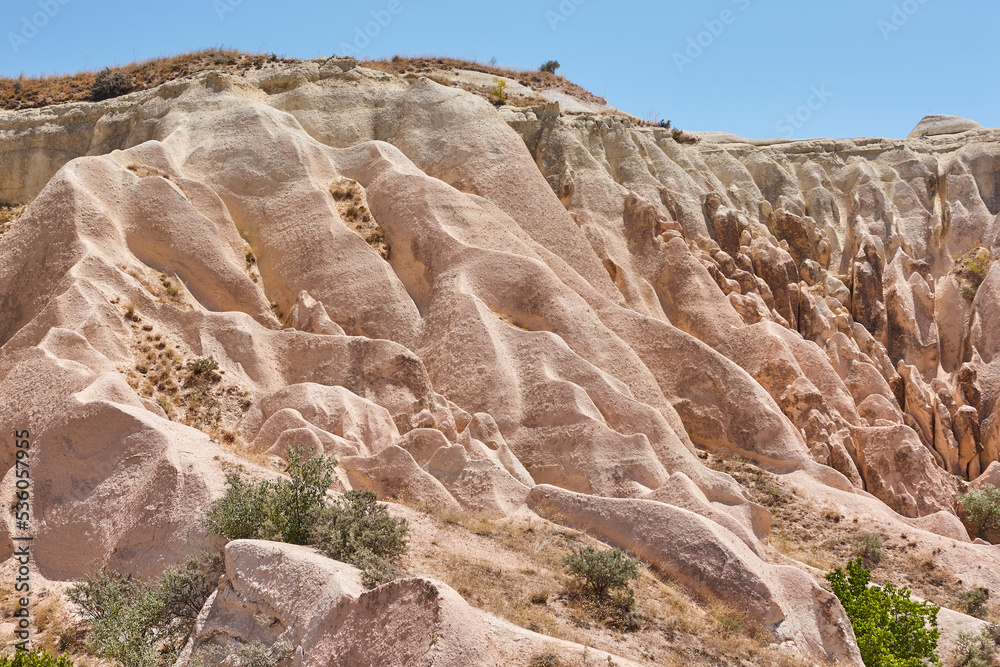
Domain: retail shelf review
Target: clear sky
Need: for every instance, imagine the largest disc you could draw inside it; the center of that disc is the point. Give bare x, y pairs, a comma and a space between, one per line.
803, 68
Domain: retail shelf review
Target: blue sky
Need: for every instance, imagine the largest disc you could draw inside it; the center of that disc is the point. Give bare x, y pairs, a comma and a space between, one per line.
800, 69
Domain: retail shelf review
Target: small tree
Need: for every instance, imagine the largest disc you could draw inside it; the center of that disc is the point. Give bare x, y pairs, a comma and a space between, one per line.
297, 501
983, 508
892, 630
550, 66
601, 571
281, 510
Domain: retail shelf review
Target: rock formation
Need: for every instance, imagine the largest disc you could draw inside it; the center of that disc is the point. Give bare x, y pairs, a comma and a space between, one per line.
556, 308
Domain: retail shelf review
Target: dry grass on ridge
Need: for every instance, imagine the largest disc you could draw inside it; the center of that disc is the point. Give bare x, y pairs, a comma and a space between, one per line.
31, 92
533, 79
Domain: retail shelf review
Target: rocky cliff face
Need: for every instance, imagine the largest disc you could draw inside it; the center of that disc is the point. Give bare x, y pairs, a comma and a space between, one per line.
472, 306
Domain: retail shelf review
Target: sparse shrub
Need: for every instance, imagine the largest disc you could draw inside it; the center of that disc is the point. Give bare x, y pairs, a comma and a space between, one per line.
892, 630
978, 649
601, 571
983, 508
971, 270
144, 624
130, 313
677, 134
254, 654
550, 66
870, 548
109, 83
499, 92
545, 660
973, 602
36, 658
665, 124
203, 366
282, 510
359, 530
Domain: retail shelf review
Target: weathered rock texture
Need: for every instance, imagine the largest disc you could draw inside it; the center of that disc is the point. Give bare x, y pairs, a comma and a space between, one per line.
534, 297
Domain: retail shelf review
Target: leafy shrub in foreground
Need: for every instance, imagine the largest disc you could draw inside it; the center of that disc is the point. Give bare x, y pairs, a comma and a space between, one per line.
281, 510
36, 658
891, 629
144, 624
601, 571
357, 529
983, 507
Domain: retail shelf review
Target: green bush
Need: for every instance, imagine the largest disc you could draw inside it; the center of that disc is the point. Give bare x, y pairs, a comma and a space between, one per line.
601, 571
356, 529
242, 512
499, 92
144, 624
978, 649
550, 66
36, 658
973, 602
281, 510
983, 508
870, 548
891, 629
108, 84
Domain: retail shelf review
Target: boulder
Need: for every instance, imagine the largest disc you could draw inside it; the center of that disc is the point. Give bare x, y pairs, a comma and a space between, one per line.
938, 124
328, 618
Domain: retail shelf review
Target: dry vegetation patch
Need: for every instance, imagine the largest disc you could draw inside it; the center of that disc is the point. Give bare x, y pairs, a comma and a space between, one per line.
8, 216
971, 269
39, 91
819, 536
145, 171
514, 568
352, 205
189, 390
427, 66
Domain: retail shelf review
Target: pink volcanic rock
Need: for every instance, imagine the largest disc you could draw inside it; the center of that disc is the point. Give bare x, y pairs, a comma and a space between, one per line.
329, 617
393, 474
480, 486
900, 471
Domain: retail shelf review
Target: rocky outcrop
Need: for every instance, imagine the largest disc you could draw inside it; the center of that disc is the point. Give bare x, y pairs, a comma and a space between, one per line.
327, 617
311, 611
711, 561
559, 298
